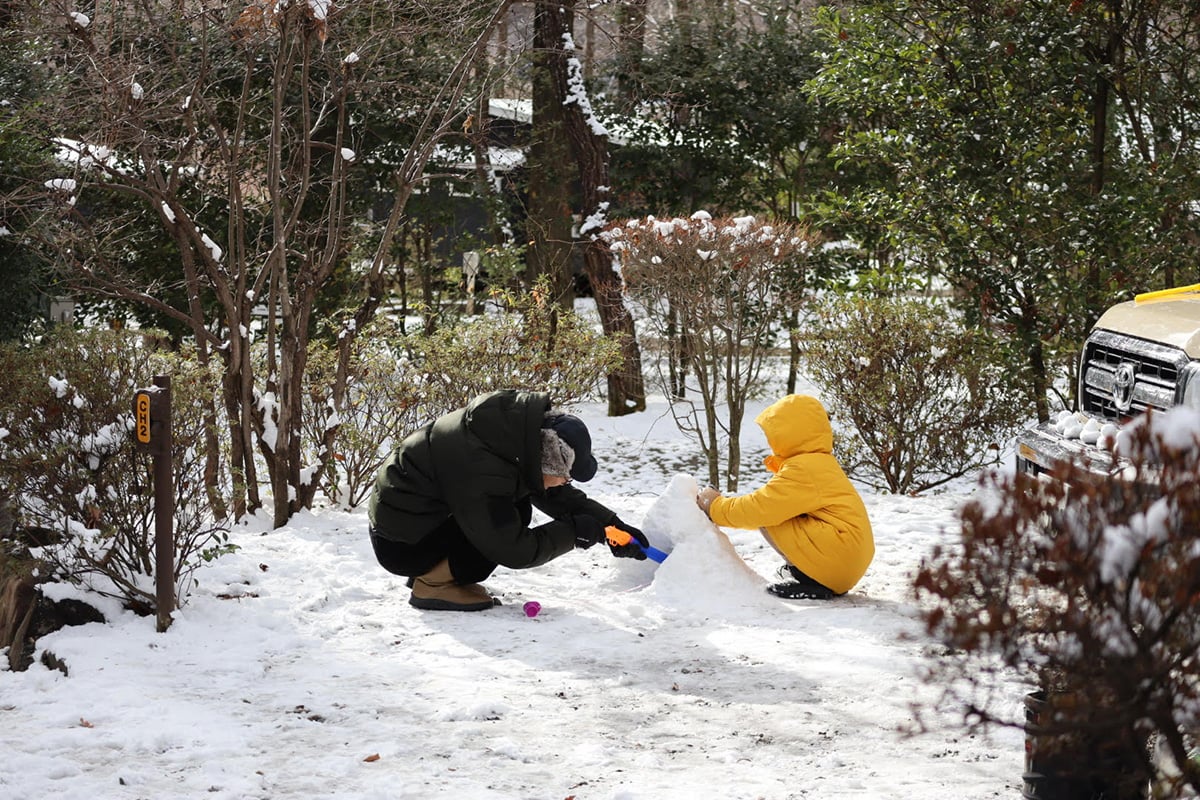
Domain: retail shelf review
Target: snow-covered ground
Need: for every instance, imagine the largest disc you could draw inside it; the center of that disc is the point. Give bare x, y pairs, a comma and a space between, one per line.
298, 670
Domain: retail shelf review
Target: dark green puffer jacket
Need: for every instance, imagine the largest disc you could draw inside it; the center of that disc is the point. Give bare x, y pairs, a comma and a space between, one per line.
481, 465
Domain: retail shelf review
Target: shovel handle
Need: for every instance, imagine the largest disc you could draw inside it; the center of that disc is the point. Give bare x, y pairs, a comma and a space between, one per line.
618, 538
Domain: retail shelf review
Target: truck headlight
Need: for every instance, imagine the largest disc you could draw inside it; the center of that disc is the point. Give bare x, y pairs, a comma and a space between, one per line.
1188, 391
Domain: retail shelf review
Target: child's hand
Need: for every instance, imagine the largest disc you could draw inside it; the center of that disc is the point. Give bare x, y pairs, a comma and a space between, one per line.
705, 497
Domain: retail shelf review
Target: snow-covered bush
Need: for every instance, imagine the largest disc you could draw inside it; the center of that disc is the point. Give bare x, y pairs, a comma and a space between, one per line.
81, 495
1090, 588
924, 400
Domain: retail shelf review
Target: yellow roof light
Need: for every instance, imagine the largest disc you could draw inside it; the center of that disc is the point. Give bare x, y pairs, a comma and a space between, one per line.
1195, 287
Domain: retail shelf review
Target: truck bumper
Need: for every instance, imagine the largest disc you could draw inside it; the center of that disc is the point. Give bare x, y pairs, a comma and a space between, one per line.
1041, 447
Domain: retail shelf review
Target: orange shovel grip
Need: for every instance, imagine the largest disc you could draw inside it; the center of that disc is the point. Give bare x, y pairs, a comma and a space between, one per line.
616, 536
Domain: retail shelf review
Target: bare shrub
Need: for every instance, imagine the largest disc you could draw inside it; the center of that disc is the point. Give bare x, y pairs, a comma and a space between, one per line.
928, 400
397, 383
385, 399
530, 343
714, 292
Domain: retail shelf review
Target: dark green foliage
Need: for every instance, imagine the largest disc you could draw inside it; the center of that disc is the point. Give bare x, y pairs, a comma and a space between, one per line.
722, 122
24, 277
1032, 154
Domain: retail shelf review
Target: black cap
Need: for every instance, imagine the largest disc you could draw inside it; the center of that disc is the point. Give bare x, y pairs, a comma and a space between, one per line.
571, 430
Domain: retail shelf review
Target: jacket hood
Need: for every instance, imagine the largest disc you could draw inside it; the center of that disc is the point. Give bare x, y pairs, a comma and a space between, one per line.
508, 423
796, 424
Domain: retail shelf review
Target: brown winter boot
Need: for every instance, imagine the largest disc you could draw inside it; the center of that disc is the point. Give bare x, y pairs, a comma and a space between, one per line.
437, 591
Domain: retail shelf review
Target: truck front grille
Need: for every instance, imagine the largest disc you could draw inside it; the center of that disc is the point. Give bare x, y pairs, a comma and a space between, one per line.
1156, 369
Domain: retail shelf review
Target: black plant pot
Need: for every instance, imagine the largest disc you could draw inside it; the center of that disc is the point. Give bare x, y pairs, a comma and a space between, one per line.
1077, 766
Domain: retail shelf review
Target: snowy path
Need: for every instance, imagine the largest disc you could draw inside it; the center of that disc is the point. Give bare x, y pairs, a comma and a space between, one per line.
298, 670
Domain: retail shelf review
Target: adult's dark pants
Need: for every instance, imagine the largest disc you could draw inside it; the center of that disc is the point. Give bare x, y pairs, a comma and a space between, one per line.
447, 541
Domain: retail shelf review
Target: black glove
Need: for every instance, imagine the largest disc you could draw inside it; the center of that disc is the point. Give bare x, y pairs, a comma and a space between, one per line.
588, 531
630, 550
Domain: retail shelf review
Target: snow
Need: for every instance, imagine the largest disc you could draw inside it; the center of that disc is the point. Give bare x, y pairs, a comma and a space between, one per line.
577, 91
65, 185
319, 8
499, 159
596, 221
214, 249
297, 670
268, 406
519, 110
1089, 430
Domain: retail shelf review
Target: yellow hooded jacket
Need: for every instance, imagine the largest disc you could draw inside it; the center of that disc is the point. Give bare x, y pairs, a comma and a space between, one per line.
808, 508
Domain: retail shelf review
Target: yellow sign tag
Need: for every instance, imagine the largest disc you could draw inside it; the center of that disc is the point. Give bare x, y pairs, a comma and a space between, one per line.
142, 417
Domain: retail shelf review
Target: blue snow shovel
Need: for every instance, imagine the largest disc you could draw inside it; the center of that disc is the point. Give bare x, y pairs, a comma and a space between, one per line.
618, 537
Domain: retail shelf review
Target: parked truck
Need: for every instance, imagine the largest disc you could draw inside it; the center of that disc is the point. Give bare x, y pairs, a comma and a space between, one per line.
1141, 355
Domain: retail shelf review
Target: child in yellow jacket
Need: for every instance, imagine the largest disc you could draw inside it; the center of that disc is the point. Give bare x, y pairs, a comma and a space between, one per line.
808, 510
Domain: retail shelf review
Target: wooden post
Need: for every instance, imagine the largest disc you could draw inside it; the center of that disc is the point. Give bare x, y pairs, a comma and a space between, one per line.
471, 270
152, 431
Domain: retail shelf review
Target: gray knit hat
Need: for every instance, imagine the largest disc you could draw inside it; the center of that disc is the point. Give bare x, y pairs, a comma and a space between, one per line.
557, 455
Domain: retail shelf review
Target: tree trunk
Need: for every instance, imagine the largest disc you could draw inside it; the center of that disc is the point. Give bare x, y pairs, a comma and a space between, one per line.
1029, 331
589, 144
239, 402
550, 178
793, 351
733, 461
676, 364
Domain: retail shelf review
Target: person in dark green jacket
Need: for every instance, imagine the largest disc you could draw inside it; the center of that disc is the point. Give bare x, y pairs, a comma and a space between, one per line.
455, 499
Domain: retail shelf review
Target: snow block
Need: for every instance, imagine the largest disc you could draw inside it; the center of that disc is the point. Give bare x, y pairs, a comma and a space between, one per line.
704, 573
